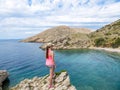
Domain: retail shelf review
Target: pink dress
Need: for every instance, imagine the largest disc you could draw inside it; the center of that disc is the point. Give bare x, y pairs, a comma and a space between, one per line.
49, 60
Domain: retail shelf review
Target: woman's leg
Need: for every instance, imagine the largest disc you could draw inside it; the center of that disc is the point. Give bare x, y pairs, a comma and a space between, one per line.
53, 71
51, 75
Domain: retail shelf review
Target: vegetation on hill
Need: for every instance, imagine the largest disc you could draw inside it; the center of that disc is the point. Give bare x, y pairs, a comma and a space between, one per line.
107, 36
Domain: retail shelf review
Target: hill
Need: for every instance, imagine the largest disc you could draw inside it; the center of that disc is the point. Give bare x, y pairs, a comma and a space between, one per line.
63, 37
107, 36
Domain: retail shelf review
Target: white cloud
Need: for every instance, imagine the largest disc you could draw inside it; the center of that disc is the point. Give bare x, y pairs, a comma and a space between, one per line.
22, 15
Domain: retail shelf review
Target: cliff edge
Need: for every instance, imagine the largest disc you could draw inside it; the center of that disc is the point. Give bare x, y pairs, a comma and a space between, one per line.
61, 82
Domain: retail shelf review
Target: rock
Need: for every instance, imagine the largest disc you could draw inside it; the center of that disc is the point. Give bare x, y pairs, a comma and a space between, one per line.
61, 77
3, 76
71, 88
61, 82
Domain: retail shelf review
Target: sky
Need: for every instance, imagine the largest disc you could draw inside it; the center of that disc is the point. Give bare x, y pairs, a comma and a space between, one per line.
20, 19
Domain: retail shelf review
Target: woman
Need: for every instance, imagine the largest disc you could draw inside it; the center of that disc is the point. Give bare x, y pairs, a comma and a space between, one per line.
50, 63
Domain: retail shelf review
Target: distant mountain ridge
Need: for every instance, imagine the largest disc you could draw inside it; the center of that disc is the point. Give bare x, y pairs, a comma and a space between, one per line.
64, 37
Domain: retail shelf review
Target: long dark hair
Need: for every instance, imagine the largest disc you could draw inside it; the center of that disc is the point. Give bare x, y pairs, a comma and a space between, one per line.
47, 48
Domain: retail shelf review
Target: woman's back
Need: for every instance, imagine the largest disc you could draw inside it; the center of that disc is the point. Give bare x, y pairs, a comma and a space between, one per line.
49, 59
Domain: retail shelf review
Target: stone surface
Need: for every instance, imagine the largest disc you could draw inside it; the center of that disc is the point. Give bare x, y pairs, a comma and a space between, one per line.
61, 82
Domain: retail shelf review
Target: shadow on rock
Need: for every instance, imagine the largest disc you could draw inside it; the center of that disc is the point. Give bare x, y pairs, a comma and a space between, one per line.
6, 84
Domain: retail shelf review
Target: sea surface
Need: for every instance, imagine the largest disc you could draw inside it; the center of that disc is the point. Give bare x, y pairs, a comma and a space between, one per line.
88, 69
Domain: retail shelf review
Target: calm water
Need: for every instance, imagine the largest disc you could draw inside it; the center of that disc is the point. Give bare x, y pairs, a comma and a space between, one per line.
88, 69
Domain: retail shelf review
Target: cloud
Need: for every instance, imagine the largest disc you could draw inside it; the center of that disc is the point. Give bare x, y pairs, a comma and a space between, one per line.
21, 16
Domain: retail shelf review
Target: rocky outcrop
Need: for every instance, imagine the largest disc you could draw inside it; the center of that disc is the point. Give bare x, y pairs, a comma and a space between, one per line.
3, 76
61, 82
73, 41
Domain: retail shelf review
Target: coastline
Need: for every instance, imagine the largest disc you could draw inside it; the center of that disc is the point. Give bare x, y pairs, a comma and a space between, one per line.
106, 49
92, 47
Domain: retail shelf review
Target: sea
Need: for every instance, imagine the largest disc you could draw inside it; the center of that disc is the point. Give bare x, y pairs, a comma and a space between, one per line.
87, 69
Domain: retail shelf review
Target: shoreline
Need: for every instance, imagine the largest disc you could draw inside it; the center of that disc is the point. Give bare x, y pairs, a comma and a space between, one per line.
106, 49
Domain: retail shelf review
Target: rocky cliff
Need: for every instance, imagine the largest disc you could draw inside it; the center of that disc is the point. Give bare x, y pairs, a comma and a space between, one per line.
61, 82
3, 76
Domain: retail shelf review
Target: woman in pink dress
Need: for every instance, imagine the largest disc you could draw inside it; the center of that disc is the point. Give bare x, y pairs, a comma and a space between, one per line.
50, 63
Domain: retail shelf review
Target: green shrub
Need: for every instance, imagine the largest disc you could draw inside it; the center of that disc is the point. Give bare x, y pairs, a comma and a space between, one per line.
58, 73
99, 42
116, 43
108, 33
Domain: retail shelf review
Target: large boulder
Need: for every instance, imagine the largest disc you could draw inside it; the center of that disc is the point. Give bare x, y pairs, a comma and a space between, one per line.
61, 82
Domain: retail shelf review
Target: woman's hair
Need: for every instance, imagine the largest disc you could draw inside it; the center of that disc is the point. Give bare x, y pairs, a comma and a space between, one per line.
47, 48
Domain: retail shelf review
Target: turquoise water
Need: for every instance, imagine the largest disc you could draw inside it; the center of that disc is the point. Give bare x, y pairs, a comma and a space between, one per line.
88, 69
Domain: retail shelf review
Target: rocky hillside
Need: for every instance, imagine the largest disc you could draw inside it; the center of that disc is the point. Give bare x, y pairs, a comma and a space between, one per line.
56, 33
63, 37
107, 36
61, 82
